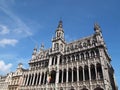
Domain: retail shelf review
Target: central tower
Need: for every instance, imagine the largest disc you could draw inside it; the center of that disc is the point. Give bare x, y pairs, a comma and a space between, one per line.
58, 42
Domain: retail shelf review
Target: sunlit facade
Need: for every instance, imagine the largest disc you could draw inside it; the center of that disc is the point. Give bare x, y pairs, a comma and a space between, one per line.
83, 64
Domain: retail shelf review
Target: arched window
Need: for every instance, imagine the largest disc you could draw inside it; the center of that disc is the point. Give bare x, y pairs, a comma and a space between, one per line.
52, 60
92, 54
86, 71
53, 76
65, 60
60, 76
77, 57
92, 70
87, 55
97, 52
69, 75
74, 74
64, 75
69, 59
80, 73
82, 56
55, 60
73, 58
60, 59
99, 71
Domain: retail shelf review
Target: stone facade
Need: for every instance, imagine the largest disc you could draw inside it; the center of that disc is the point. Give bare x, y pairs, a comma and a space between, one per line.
3, 84
13, 80
83, 64
16, 79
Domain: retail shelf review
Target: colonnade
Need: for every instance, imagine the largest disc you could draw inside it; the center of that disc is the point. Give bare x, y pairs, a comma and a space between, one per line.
35, 79
81, 73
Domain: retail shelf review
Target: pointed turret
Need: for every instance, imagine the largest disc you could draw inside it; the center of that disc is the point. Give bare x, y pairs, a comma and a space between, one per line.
98, 33
60, 24
34, 52
97, 28
42, 47
20, 65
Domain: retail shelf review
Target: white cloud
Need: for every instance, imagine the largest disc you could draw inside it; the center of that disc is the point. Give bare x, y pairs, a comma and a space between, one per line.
3, 30
5, 42
4, 68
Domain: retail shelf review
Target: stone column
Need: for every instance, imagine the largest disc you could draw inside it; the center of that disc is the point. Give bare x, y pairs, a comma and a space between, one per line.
77, 72
89, 72
33, 79
40, 79
62, 75
57, 76
24, 80
96, 72
58, 59
83, 74
44, 78
27, 80
90, 76
72, 75
37, 79
50, 61
67, 74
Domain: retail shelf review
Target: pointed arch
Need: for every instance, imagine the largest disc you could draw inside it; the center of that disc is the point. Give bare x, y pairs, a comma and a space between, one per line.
64, 75
60, 76
60, 60
74, 74
77, 57
69, 75
80, 73
92, 70
87, 55
53, 76
86, 72
55, 60
99, 71
92, 54
82, 56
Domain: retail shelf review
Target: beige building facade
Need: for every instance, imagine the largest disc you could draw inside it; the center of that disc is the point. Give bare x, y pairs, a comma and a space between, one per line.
83, 64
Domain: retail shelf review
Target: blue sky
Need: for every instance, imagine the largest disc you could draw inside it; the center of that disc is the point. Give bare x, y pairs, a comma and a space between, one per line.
25, 23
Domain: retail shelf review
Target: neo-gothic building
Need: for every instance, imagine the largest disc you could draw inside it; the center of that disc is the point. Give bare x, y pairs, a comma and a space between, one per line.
83, 64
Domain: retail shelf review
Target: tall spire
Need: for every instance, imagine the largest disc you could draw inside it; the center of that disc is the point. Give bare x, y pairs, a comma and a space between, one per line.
97, 28
60, 24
